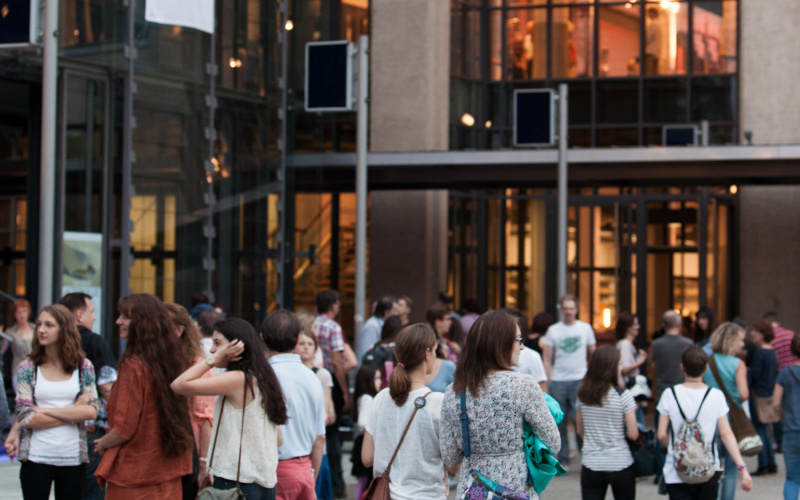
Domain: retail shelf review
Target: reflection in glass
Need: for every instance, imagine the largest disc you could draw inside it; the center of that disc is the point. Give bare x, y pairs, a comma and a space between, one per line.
526, 44
714, 37
495, 45
573, 42
666, 43
618, 40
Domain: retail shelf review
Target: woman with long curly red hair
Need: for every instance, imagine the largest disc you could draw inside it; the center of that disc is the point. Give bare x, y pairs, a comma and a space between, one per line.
149, 445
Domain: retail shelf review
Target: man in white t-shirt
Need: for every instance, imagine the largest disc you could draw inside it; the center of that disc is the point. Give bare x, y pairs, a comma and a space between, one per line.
530, 362
567, 346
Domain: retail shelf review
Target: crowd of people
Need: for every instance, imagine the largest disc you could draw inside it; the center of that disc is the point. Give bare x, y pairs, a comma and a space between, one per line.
199, 399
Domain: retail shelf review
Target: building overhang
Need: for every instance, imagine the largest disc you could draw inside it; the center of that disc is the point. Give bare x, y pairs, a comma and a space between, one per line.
528, 168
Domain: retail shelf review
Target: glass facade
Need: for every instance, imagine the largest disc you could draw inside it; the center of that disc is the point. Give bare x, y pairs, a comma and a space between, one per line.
168, 207
502, 252
632, 67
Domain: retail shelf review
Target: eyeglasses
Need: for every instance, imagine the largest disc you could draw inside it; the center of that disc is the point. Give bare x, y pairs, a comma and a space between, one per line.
519, 340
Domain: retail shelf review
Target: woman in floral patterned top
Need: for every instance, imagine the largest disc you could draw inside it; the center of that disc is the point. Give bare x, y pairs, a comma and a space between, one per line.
56, 393
498, 400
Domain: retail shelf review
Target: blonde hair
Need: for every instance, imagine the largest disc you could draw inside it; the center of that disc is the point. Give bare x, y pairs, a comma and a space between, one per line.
306, 320
725, 338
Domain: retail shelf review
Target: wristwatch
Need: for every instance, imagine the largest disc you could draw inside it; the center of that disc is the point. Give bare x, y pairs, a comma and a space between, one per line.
210, 361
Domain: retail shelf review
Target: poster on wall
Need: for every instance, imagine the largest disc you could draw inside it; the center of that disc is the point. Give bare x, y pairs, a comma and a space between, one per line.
82, 269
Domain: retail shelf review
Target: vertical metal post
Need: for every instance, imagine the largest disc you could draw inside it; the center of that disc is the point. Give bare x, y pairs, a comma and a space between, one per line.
211, 134
563, 108
361, 182
128, 157
286, 232
47, 186
704, 133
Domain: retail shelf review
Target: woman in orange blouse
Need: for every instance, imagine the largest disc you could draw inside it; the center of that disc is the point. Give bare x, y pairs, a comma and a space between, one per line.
149, 446
201, 408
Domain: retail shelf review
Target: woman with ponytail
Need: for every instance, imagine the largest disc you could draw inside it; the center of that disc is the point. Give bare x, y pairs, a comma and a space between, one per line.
418, 471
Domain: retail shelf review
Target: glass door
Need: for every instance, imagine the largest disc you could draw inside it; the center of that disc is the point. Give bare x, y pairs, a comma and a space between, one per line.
601, 239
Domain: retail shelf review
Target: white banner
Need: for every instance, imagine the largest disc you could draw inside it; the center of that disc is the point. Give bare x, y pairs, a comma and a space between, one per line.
197, 14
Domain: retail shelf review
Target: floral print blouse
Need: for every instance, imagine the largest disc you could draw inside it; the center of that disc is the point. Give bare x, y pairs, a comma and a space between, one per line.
26, 400
495, 429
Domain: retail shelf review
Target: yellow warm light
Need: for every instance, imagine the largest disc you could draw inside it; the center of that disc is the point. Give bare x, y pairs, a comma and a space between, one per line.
488, 124
606, 318
733, 189
467, 119
289, 25
235, 63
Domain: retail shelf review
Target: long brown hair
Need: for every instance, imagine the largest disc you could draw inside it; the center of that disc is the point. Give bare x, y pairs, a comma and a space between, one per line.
601, 375
410, 347
151, 337
255, 367
488, 348
190, 339
68, 345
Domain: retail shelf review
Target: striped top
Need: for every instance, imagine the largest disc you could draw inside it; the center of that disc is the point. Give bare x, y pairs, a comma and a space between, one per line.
782, 344
604, 445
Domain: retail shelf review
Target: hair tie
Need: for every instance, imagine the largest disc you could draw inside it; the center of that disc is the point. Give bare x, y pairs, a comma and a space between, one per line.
401, 364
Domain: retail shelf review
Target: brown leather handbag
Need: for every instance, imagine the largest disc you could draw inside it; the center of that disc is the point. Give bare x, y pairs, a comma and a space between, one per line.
379, 487
746, 436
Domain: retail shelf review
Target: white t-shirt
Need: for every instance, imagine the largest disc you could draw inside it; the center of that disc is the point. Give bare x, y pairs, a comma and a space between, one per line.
569, 343
628, 355
418, 471
364, 410
324, 377
530, 362
713, 408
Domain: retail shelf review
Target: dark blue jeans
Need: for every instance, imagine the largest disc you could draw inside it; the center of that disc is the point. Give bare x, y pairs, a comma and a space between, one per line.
91, 490
252, 490
791, 457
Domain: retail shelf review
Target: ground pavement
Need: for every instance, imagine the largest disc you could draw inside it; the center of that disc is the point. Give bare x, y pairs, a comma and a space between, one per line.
567, 487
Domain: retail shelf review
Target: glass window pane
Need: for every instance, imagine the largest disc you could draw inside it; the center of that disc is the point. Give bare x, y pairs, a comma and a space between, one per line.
619, 40
607, 137
573, 42
618, 101
605, 245
526, 45
665, 100
495, 45
466, 42
512, 3
713, 98
714, 37
666, 44
580, 103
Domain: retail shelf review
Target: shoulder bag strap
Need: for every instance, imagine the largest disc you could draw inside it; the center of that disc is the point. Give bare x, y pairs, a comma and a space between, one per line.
400, 443
241, 432
712, 363
701, 402
465, 426
216, 434
674, 395
791, 372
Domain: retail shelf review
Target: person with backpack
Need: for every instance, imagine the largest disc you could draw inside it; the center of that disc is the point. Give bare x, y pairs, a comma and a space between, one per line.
786, 396
692, 414
604, 418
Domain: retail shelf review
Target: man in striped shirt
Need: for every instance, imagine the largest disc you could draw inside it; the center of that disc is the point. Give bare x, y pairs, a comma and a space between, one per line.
782, 343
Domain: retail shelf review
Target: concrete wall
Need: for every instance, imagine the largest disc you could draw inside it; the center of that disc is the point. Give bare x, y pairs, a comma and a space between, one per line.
410, 75
770, 253
769, 71
409, 105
